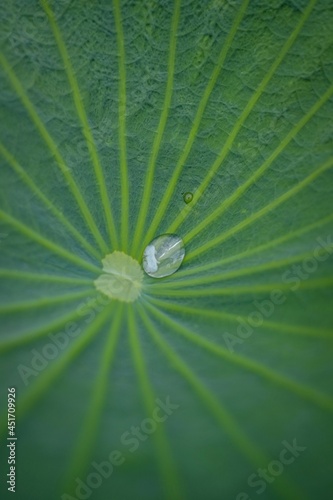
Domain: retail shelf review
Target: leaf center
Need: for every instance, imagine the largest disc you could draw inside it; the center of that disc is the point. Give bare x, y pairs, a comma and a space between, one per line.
122, 277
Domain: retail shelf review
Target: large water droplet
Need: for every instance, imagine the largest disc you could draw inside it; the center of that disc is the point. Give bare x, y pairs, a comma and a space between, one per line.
163, 256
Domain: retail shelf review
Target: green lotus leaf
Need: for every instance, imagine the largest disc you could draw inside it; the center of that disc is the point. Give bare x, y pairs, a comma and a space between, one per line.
122, 121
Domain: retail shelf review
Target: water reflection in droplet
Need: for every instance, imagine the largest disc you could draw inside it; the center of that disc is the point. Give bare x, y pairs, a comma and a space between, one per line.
163, 256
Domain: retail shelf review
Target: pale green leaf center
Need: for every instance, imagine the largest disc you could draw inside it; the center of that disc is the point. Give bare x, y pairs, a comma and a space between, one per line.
122, 279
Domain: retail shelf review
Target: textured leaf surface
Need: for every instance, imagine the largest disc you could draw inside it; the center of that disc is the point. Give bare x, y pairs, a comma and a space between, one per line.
110, 112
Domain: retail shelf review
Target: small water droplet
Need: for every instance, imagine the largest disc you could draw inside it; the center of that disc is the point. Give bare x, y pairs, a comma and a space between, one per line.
163, 256
188, 197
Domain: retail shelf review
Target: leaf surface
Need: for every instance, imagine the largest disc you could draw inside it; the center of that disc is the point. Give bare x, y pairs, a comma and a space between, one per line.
111, 111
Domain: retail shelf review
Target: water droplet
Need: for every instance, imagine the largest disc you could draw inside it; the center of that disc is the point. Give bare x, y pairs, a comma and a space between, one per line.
122, 279
188, 197
163, 256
